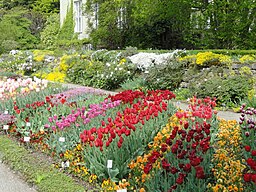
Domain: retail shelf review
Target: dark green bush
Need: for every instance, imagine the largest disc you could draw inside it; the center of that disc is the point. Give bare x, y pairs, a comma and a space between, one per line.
229, 91
168, 75
15, 30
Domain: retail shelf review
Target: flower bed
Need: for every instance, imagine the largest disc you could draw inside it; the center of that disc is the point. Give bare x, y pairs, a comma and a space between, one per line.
138, 140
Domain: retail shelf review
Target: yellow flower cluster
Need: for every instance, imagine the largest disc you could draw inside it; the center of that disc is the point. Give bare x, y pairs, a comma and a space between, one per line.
207, 58
188, 58
122, 61
210, 58
137, 166
64, 62
76, 160
245, 71
55, 76
39, 55
228, 167
109, 185
247, 59
93, 178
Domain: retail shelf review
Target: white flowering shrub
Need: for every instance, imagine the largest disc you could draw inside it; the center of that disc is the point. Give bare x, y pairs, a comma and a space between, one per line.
144, 61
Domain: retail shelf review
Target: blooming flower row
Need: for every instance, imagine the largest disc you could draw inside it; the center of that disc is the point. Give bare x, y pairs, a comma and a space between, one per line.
11, 87
181, 149
227, 159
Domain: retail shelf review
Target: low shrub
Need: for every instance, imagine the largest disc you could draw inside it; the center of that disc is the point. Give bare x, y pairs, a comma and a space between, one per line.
207, 59
168, 75
229, 91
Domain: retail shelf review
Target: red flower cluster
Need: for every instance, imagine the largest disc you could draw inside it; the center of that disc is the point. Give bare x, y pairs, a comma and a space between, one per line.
130, 96
188, 143
127, 96
32, 106
55, 100
250, 177
202, 108
148, 107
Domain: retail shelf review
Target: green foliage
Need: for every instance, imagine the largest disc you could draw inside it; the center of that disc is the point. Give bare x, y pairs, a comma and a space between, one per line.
175, 24
49, 35
229, 91
46, 6
250, 100
165, 76
224, 52
15, 31
107, 34
182, 93
129, 51
98, 74
136, 83
67, 30
10, 4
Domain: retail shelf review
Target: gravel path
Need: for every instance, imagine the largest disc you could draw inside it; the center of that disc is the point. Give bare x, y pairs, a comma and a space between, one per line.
10, 182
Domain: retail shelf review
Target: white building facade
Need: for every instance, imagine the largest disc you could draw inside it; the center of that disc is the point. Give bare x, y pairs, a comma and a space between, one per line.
80, 18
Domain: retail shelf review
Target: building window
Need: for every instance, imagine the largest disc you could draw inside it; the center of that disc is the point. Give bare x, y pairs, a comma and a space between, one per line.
121, 19
78, 16
96, 16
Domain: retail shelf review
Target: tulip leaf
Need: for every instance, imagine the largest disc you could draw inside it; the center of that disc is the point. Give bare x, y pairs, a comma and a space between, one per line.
113, 173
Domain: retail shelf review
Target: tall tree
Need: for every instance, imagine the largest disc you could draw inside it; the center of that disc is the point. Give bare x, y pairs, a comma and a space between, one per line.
47, 6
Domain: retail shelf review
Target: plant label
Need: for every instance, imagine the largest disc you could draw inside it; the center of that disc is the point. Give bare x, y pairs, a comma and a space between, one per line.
6, 127
26, 139
65, 164
121, 190
109, 164
28, 124
62, 139
6, 112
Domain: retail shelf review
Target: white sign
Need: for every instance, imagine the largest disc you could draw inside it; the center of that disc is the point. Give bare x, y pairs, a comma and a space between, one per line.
6, 127
65, 164
110, 163
26, 139
62, 139
121, 190
6, 112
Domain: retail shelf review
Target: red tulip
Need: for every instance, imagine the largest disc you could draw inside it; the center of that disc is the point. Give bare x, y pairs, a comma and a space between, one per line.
253, 152
247, 177
247, 148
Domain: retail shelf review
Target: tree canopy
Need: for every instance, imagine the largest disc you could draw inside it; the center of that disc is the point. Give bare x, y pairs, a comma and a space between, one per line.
165, 24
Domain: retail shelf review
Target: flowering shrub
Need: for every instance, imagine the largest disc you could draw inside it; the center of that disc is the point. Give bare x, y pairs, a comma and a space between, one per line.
55, 76
247, 58
207, 59
98, 74
39, 55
